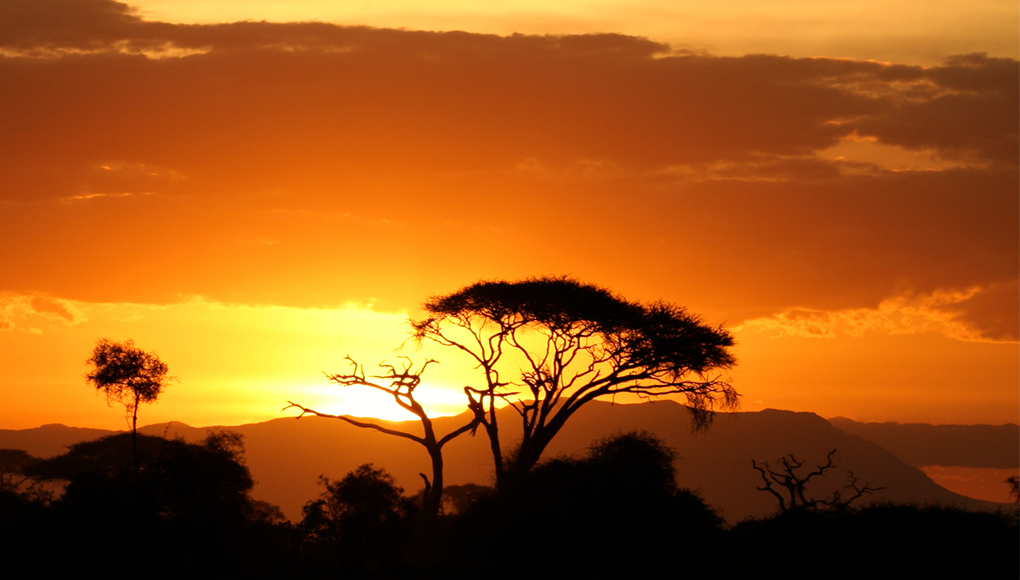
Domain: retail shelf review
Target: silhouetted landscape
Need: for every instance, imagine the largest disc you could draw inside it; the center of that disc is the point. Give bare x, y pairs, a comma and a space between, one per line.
554, 480
254, 502
584, 289
287, 455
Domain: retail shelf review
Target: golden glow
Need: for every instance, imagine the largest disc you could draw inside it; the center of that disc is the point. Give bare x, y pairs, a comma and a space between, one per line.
239, 364
438, 400
235, 364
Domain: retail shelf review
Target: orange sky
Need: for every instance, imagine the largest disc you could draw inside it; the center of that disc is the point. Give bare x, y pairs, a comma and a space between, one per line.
254, 200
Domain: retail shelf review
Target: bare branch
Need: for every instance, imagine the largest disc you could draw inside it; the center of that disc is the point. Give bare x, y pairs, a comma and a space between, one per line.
859, 491
769, 477
794, 484
364, 425
400, 382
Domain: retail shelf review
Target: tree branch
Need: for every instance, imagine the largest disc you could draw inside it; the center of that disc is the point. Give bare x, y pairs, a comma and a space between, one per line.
355, 422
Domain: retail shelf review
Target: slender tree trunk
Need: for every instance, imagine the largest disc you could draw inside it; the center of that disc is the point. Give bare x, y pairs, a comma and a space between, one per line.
434, 494
134, 438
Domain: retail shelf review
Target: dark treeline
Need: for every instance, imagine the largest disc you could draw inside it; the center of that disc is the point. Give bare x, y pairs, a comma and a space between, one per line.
187, 512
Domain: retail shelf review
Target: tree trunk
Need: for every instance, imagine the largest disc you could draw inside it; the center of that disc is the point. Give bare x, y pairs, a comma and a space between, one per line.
134, 438
433, 500
532, 447
497, 454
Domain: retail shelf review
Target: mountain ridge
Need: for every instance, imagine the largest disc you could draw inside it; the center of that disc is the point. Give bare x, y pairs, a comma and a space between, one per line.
286, 455
922, 444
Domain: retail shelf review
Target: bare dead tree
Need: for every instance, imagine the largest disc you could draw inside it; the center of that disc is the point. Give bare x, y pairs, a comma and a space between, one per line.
400, 383
788, 484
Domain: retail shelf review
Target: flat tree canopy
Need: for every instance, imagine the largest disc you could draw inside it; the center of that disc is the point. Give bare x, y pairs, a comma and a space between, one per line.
578, 342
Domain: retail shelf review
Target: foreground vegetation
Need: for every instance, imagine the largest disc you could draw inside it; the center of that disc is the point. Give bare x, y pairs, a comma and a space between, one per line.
617, 509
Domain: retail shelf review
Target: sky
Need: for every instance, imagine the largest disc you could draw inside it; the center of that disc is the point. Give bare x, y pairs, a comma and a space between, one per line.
255, 190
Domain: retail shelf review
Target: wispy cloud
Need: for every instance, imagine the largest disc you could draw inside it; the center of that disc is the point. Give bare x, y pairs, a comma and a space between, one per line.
954, 313
95, 196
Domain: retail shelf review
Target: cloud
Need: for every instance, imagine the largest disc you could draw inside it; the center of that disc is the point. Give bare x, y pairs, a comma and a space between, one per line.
97, 196
63, 24
690, 177
973, 314
278, 93
16, 310
991, 313
968, 109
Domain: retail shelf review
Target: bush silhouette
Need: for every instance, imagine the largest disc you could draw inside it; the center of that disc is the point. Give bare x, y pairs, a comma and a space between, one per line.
359, 524
618, 508
882, 541
188, 507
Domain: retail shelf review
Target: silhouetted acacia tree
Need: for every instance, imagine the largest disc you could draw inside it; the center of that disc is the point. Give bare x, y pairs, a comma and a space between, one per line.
400, 384
548, 346
792, 483
128, 375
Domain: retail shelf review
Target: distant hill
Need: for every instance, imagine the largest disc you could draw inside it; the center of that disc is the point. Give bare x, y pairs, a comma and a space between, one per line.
287, 455
48, 440
921, 444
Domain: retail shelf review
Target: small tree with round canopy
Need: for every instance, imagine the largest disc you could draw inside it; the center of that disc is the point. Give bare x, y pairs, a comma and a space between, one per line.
127, 375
